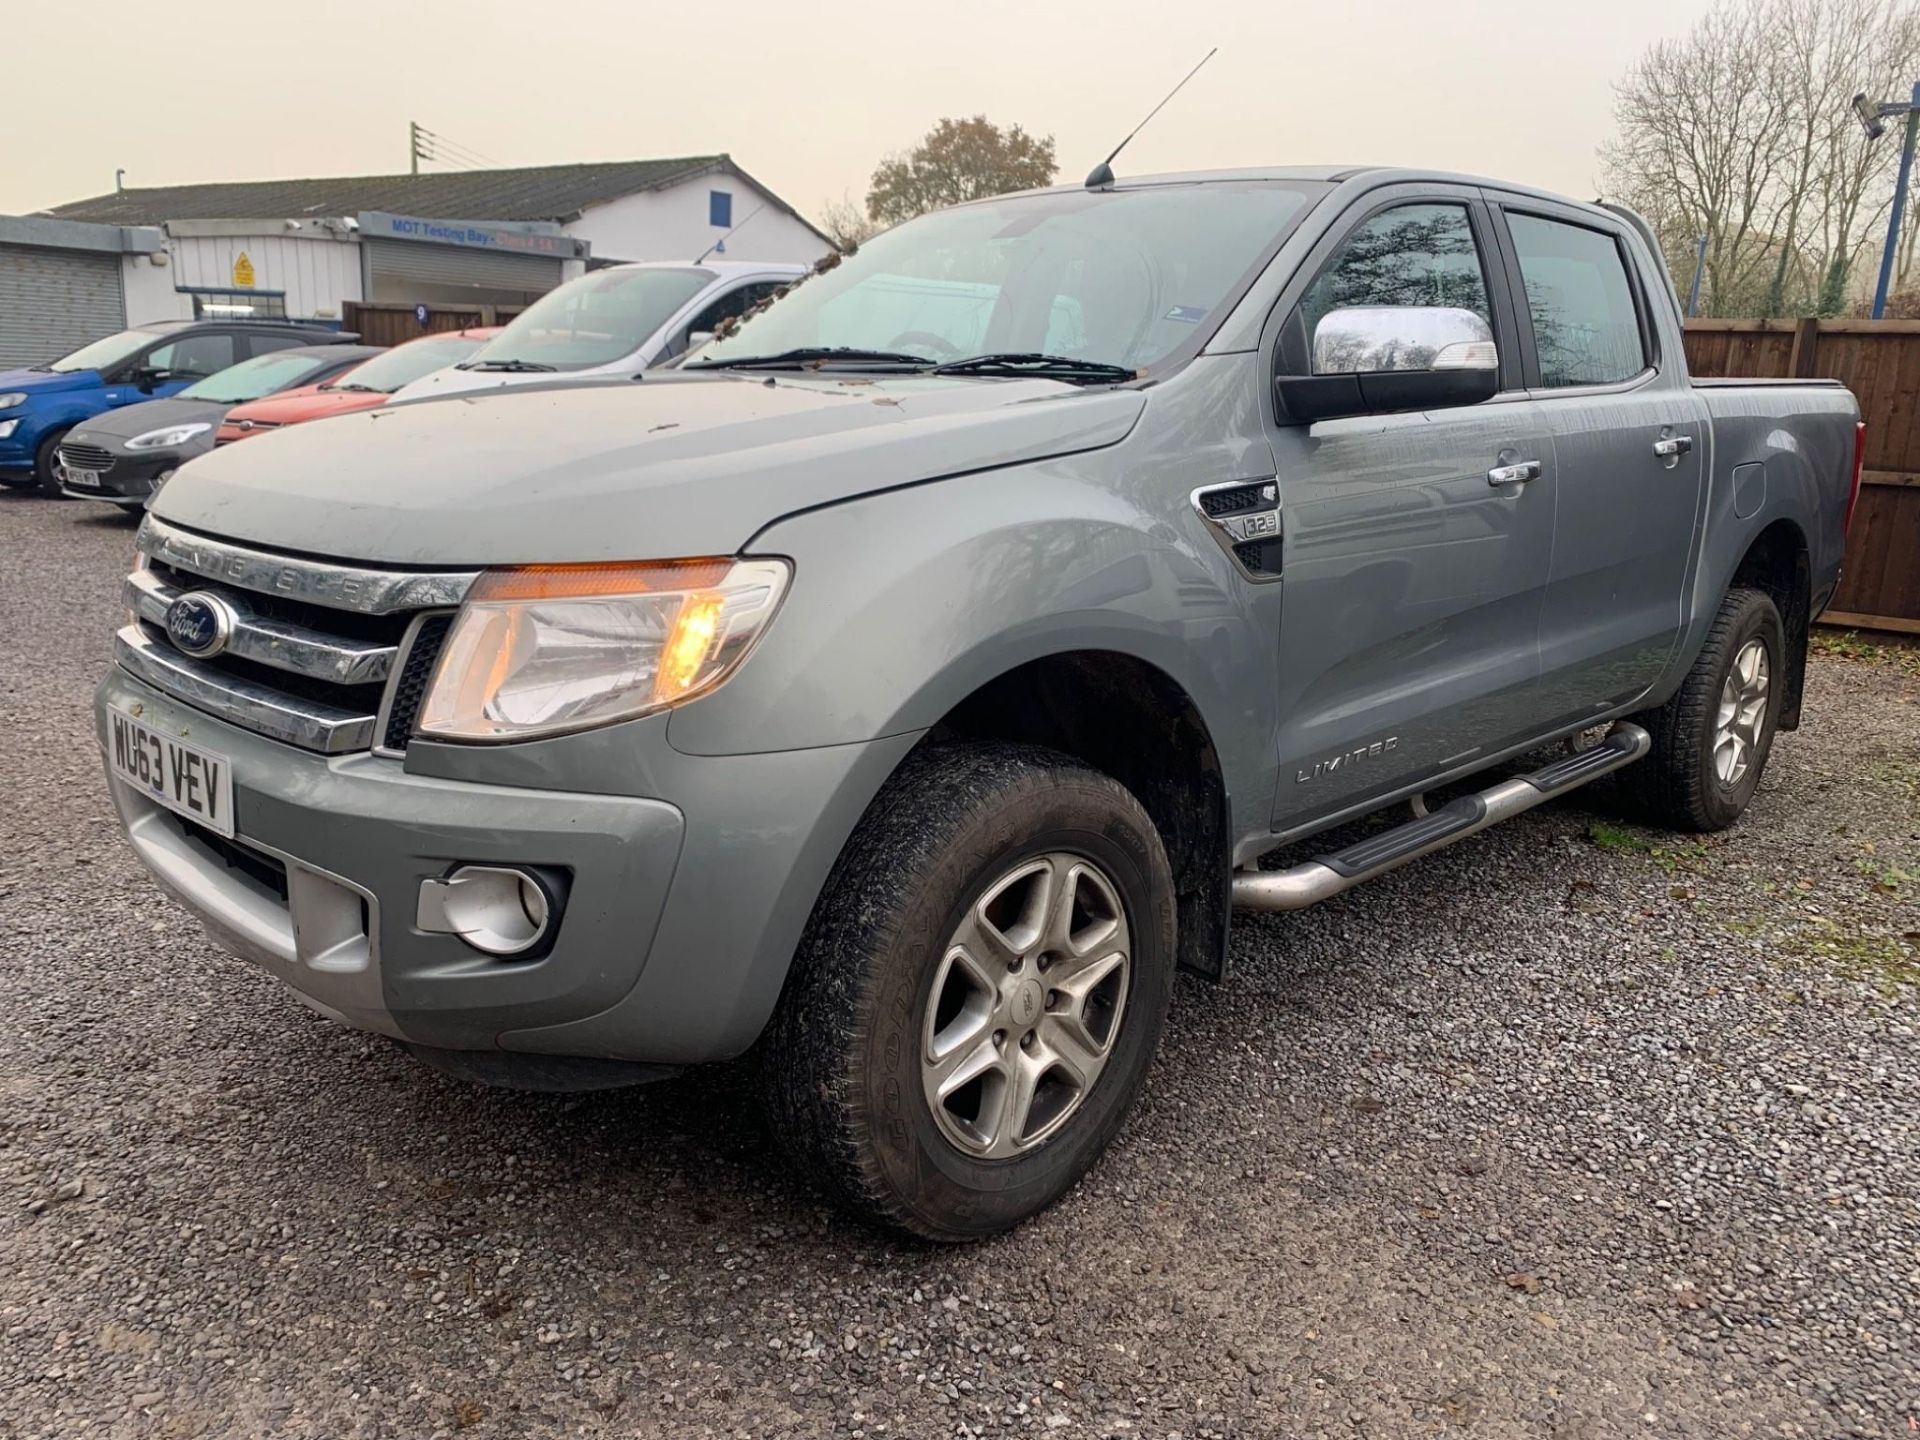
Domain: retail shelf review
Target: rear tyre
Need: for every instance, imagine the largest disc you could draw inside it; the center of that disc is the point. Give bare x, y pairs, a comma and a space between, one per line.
46, 466
978, 994
1711, 740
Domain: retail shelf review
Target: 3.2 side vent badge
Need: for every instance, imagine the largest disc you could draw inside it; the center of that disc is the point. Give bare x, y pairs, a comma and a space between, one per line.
1244, 516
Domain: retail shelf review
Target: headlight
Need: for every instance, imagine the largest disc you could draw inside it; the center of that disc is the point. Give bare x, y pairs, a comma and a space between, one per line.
544, 649
7, 428
17, 397
168, 438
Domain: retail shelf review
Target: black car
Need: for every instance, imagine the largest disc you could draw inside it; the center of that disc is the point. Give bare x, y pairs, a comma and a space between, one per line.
123, 456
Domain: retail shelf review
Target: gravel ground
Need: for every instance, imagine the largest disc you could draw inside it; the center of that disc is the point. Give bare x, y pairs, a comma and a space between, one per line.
1570, 1131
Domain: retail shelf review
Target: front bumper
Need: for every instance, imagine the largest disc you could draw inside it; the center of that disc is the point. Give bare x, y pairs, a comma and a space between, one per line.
676, 934
131, 480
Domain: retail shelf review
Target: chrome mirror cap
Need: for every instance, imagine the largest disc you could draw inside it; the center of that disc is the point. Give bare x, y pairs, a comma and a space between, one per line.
1377, 339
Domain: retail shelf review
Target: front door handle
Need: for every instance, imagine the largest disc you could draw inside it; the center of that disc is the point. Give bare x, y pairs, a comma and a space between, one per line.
1672, 447
1517, 473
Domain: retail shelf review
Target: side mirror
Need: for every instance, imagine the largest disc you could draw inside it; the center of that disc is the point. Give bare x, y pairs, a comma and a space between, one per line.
1384, 359
146, 378
698, 338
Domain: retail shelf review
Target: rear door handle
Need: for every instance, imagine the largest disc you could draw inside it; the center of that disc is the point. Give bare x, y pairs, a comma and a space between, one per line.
1517, 473
1673, 446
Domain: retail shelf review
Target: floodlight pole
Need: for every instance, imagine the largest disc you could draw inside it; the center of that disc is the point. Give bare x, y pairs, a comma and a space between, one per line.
1912, 111
1699, 269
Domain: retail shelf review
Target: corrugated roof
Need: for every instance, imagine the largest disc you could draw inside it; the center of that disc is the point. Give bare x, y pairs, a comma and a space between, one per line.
539, 192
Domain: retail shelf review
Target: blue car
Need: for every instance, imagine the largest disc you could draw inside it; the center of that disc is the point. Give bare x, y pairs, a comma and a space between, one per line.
40, 403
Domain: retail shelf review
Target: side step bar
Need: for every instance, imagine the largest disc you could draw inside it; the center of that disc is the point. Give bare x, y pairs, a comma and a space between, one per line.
1329, 875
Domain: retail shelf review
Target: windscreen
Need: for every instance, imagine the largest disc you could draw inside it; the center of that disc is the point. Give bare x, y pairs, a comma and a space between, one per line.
262, 375
1120, 277
107, 354
593, 320
404, 364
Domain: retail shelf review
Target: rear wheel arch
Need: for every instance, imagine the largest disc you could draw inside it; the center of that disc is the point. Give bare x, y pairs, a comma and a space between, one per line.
1777, 563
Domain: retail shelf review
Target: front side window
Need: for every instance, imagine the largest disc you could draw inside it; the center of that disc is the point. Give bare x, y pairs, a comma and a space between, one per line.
1585, 326
1412, 255
1116, 277
192, 357
595, 319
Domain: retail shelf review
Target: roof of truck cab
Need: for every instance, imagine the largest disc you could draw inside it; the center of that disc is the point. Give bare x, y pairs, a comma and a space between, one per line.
1374, 175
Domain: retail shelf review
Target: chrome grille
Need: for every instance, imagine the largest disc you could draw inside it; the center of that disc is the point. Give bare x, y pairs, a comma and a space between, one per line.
86, 457
312, 648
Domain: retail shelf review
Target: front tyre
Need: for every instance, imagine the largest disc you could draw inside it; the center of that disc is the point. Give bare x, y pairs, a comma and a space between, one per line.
46, 466
979, 992
1712, 738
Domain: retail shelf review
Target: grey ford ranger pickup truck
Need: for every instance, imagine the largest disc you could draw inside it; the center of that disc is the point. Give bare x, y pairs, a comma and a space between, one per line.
912, 682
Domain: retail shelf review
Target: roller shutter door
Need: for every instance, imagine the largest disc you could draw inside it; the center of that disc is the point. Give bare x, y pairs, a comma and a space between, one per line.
55, 301
398, 264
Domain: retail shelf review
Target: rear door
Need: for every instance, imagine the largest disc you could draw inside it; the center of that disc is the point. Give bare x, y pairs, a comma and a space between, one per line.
1630, 439
1414, 567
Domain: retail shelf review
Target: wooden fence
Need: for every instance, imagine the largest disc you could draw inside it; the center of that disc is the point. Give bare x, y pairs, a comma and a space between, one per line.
385, 324
1879, 360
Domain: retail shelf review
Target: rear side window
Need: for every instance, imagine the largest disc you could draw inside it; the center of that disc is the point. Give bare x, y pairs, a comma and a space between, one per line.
267, 344
1585, 327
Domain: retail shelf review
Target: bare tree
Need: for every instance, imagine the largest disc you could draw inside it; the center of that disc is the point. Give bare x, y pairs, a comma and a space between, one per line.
1702, 131
1740, 132
846, 223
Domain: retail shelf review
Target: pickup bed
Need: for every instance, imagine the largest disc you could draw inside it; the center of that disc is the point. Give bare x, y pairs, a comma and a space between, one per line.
905, 686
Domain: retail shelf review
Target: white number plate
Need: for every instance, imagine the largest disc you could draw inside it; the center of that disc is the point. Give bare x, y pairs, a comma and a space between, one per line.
83, 479
191, 782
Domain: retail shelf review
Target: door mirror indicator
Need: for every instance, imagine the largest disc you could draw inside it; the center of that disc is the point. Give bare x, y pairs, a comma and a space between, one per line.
1383, 359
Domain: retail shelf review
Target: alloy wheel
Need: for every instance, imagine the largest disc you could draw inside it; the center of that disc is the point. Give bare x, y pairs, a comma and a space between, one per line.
1026, 1005
1742, 713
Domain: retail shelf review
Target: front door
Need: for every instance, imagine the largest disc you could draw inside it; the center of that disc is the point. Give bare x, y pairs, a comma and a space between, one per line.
1630, 437
1417, 546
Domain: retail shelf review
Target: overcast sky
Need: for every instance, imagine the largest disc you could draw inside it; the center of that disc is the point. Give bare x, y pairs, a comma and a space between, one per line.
805, 96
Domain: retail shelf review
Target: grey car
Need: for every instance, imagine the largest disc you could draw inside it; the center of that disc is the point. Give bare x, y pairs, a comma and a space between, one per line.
123, 456
909, 685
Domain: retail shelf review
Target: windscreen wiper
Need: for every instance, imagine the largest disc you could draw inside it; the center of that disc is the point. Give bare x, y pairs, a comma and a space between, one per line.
517, 367
1025, 362
812, 355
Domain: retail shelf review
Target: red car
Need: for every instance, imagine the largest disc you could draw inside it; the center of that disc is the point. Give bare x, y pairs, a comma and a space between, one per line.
365, 387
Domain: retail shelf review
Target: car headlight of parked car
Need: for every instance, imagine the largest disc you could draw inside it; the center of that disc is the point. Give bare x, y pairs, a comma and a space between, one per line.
167, 438
544, 649
8, 401
7, 428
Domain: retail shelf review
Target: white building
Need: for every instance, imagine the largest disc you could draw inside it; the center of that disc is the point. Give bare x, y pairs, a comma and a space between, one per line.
304, 248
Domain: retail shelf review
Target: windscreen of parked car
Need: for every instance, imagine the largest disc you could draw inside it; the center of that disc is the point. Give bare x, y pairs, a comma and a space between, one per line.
593, 320
404, 364
1116, 277
103, 355
262, 375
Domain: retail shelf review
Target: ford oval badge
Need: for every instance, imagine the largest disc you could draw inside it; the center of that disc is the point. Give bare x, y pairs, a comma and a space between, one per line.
200, 624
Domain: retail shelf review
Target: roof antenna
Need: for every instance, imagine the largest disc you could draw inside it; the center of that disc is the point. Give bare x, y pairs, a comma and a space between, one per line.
721, 243
1103, 172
